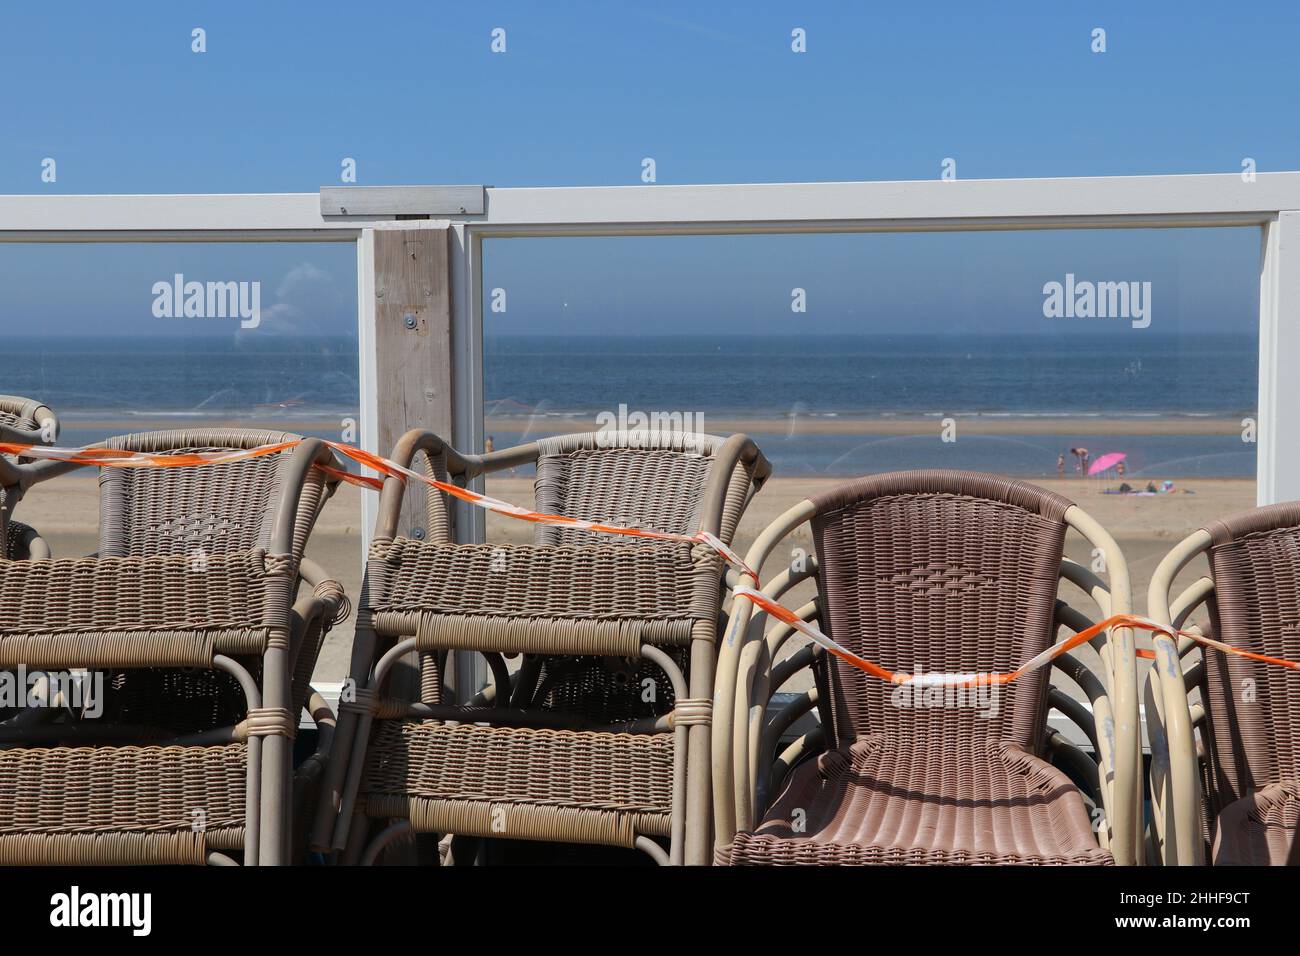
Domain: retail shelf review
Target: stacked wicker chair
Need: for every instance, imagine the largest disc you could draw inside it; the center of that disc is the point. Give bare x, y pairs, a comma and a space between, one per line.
192, 612
928, 571
1233, 795
601, 736
23, 421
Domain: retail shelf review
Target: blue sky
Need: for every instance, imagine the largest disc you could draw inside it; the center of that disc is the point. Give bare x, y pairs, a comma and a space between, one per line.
412, 91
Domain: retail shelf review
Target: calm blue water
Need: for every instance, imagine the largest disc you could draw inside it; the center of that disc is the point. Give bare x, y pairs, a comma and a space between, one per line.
1149, 456
565, 382
1127, 376
255, 377
1113, 375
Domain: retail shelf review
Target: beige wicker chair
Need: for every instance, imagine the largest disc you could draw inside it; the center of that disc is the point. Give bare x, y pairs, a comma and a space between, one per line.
189, 608
1239, 743
562, 751
929, 571
23, 421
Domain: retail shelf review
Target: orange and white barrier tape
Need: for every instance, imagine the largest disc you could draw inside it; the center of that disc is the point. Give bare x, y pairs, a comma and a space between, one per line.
934, 679
116, 458
1229, 649
497, 506
1037, 662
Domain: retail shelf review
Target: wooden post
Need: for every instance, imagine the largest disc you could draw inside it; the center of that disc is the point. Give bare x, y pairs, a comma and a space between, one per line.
413, 348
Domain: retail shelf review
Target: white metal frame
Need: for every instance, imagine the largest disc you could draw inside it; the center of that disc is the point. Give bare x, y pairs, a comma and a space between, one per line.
1270, 201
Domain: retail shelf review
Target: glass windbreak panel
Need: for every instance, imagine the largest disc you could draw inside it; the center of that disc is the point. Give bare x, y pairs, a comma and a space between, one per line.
126, 338
1117, 367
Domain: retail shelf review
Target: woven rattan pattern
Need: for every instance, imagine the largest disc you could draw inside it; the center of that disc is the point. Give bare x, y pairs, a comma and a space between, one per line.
124, 789
953, 802
959, 578
1252, 708
160, 511
932, 571
608, 775
1260, 830
220, 607
655, 489
648, 581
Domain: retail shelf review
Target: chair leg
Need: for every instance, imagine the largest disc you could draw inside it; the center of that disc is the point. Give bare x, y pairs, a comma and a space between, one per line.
253, 767
253, 803
357, 833
699, 766
677, 839
277, 764
331, 792
361, 738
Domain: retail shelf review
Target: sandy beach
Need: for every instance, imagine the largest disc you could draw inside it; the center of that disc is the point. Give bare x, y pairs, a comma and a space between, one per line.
66, 513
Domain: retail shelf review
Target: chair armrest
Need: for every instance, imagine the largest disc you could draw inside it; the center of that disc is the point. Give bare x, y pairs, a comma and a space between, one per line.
418, 440
414, 442
47, 424
314, 616
736, 452
293, 480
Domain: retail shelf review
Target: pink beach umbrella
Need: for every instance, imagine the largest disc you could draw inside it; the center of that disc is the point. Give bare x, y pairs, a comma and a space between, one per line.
1106, 463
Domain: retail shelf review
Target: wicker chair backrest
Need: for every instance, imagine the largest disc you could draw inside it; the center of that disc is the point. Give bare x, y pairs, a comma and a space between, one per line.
211, 509
928, 571
654, 481
1253, 708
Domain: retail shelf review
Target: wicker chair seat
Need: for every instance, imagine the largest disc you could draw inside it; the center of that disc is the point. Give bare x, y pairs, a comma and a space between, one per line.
890, 801
599, 599
162, 611
521, 783
120, 805
1260, 830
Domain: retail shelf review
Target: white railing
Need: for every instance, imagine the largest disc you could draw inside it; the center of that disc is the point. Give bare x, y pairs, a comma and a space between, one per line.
1270, 201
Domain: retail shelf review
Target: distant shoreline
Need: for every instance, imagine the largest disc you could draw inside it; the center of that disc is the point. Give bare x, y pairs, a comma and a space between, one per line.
970, 424
801, 425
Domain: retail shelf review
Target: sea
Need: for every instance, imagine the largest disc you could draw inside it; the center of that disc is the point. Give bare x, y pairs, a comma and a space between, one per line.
554, 384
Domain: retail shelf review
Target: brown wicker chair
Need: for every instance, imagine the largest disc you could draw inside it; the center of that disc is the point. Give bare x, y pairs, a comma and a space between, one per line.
934, 571
23, 421
562, 751
189, 608
1246, 761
